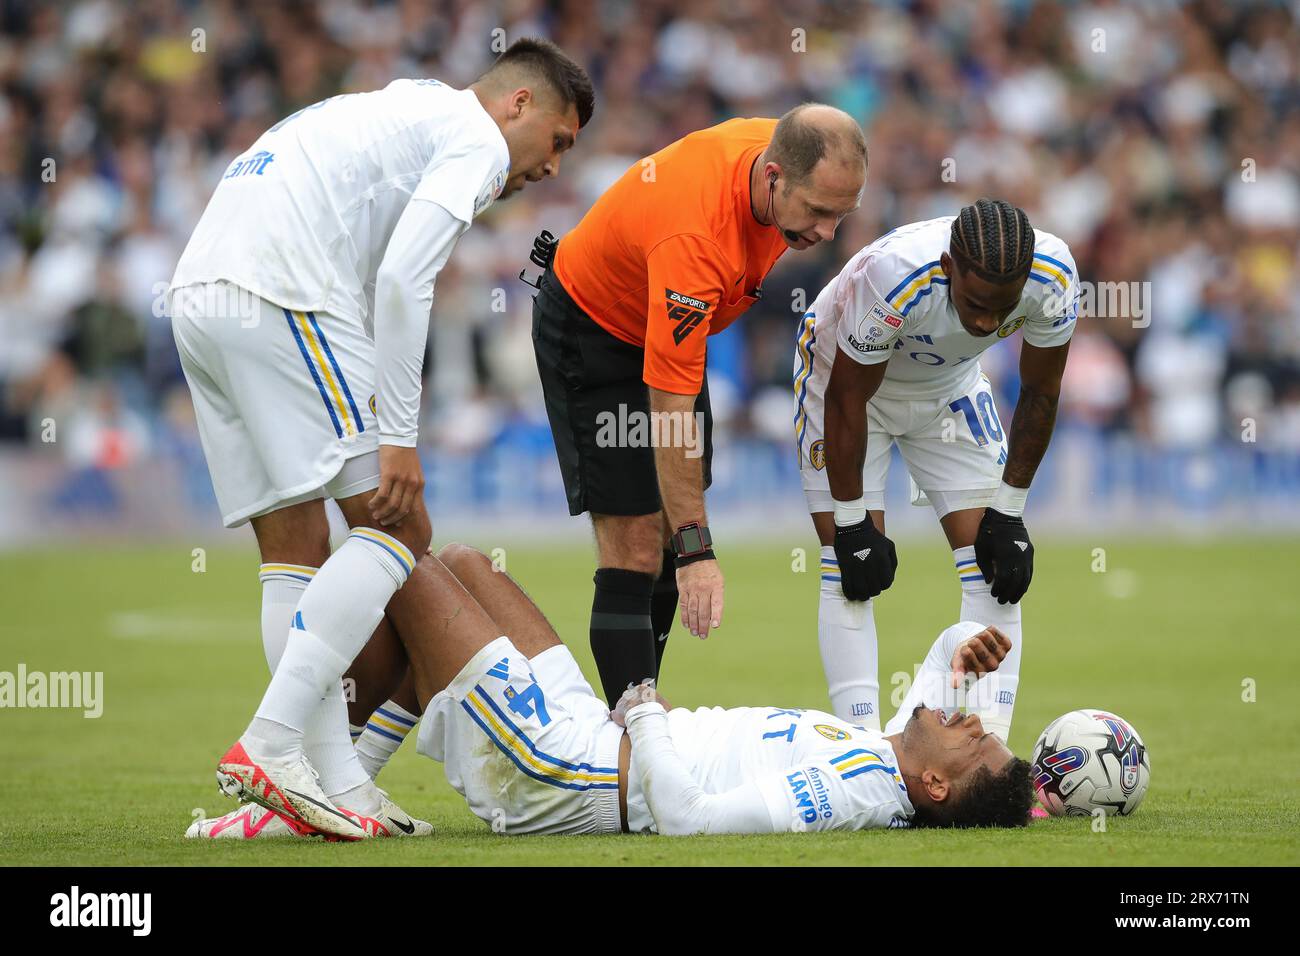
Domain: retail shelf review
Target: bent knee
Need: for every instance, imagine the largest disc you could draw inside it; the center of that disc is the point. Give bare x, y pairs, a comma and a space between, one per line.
462, 558
415, 531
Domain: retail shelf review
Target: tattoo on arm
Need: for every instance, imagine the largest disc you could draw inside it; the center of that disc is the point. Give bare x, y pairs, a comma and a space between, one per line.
1031, 432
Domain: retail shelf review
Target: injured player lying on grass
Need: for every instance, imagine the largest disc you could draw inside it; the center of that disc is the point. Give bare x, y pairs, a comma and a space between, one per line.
533, 750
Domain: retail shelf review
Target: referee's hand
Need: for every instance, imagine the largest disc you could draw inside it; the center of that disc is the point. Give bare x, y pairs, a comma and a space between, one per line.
401, 482
700, 586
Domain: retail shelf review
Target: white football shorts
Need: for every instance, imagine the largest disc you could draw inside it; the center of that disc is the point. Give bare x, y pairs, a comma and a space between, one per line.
527, 743
284, 400
954, 447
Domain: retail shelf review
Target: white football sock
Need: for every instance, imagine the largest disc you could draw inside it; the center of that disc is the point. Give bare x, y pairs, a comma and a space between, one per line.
328, 749
282, 587
364, 798
328, 746
382, 735
846, 633
336, 615
993, 697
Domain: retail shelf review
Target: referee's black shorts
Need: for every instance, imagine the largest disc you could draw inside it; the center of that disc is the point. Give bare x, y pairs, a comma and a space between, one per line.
585, 372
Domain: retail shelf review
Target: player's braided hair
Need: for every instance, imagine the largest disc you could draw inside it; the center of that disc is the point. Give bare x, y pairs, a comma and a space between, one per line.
986, 799
995, 239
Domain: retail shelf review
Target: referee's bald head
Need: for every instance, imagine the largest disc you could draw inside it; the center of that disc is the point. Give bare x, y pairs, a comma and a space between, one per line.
812, 132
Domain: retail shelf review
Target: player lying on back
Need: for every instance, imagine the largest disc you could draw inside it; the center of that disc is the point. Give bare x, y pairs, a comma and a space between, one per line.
889, 353
532, 749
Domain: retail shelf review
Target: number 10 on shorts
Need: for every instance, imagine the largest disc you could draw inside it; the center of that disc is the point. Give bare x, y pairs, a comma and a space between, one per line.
987, 412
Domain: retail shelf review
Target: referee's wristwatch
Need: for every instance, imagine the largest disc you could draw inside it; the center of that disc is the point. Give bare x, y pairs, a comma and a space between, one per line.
692, 542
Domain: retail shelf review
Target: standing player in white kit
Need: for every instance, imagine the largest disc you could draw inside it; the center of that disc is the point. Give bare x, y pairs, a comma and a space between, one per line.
889, 353
300, 309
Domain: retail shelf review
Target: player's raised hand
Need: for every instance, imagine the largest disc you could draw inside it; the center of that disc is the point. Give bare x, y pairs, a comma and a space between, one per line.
979, 654
401, 482
642, 693
1005, 555
867, 560
699, 585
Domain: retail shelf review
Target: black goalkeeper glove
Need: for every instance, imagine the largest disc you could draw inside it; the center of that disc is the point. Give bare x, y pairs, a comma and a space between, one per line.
867, 560
1005, 555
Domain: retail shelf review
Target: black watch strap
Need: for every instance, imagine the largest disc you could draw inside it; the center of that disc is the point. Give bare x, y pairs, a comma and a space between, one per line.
702, 556
691, 540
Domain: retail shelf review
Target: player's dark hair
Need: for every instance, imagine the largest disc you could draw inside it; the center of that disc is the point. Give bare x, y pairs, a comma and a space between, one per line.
799, 144
995, 239
987, 799
547, 62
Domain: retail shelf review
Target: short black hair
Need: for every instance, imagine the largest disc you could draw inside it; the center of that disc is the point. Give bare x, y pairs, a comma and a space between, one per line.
995, 239
547, 62
987, 799
799, 145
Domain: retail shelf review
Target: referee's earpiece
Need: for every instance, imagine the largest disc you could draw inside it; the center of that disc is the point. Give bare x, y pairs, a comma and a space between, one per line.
789, 234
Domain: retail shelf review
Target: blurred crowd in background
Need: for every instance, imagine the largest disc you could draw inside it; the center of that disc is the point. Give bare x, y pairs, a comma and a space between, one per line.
1161, 140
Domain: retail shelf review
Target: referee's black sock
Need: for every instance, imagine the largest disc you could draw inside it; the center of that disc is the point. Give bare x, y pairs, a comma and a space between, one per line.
621, 637
663, 606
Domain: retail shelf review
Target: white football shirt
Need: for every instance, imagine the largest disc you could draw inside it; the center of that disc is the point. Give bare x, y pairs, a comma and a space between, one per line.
890, 304
813, 771
304, 217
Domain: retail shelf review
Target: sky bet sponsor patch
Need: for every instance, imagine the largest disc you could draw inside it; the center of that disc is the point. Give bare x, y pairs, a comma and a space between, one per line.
879, 314
875, 326
686, 312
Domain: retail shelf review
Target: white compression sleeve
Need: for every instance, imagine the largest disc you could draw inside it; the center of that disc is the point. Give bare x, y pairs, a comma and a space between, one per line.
932, 686
421, 243
677, 803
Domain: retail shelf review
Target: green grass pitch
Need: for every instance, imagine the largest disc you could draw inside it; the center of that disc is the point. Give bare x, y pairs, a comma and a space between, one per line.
1166, 636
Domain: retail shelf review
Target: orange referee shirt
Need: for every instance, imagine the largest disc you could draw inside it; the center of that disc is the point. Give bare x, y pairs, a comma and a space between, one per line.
672, 253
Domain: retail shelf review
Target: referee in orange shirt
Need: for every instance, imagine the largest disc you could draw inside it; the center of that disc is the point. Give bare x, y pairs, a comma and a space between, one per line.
672, 253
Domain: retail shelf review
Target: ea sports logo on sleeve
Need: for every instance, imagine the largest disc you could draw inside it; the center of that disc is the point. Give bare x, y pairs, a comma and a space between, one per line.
685, 312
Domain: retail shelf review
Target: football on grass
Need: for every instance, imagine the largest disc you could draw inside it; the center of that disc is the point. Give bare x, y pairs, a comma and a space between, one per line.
1089, 760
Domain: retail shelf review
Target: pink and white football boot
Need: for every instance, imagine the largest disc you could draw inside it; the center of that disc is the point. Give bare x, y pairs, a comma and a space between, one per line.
288, 788
390, 821
251, 821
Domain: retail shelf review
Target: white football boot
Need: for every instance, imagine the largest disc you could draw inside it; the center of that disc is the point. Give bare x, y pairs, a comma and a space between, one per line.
252, 821
390, 821
287, 788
